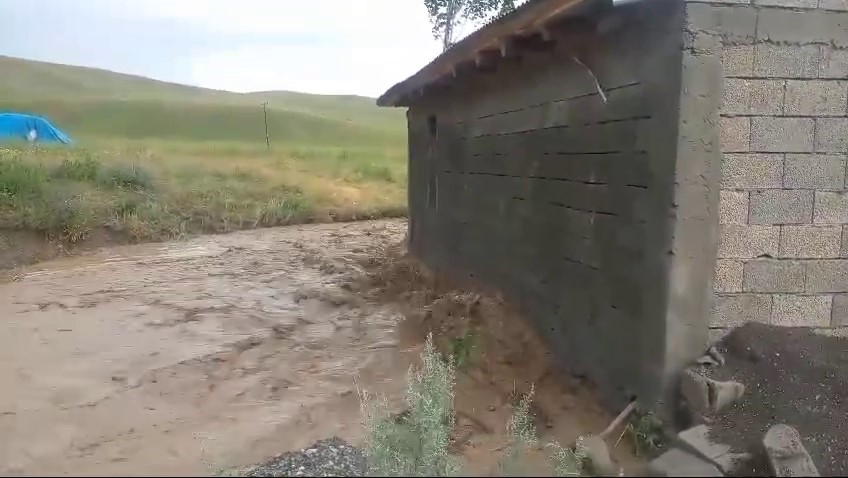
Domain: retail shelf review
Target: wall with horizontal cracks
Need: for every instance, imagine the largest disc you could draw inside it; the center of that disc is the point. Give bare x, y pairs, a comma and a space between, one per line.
553, 178
783, 248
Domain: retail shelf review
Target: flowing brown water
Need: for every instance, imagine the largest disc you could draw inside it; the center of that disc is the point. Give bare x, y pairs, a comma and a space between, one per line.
184, 357
222, 351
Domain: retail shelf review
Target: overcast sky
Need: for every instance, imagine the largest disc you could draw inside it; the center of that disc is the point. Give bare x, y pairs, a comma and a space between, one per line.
316, 46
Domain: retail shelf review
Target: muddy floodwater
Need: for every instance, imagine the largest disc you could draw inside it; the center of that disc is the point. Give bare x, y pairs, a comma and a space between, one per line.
186, 357
222, 351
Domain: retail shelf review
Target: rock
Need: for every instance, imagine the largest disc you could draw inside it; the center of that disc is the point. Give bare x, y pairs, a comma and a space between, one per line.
697, 440
786, 453
707, 361
723, 394
676, 462
714, 353
712, 358
705, 395
696, 391
598, 456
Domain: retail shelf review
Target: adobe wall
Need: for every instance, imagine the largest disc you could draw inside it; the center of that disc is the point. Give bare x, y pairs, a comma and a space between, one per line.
783, 251
577, 208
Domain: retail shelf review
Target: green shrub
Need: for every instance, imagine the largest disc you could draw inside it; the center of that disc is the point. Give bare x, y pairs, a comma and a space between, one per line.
647, 432
463, 348
150, 219
568, 462
80, 169
416, 442
69, 217
128, 176
522, 438
19, 178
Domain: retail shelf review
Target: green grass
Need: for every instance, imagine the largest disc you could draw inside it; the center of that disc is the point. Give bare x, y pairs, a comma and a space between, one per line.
155, 160
155, 194
93, 103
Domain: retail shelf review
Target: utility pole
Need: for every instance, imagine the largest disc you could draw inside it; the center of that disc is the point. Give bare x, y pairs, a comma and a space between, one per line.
265, 113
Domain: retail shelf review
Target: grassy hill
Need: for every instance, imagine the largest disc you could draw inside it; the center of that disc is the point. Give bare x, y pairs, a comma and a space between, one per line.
93, 103
155, 160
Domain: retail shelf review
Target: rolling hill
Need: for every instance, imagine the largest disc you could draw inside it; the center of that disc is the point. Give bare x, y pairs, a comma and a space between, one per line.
91, 103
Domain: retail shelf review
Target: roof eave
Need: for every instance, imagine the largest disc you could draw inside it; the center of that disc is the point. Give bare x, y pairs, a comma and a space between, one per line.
531, 18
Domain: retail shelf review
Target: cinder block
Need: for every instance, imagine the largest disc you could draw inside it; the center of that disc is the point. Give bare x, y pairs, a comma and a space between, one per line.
781, 206
786, 61
811, 242
748, 242
728, 276
816, 98
789, 135
735, 134
814, 171
773, 275
752, 171
752, 97
788, 3
839, 315
738, 60
735, 25
828, 275
833, 4
779, 25
836, 26
801, 310
736, 309
831, 208
844, 241
834, 63
831, 135
733, 207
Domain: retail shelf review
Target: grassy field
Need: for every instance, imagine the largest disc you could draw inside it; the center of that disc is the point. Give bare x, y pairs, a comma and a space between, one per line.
155, 160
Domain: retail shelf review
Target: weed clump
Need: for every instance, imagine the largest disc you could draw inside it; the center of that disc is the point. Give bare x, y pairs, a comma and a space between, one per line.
647, 432
84, 168
279, 211
127, 176
416, 442
19, 178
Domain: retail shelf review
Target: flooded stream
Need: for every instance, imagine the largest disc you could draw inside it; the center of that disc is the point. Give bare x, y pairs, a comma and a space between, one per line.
222, 351
186, 357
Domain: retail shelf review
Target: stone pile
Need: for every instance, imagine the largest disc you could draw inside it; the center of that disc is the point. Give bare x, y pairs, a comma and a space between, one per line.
696, 453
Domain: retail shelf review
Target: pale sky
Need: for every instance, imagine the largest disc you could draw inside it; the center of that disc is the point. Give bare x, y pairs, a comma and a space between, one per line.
316, 46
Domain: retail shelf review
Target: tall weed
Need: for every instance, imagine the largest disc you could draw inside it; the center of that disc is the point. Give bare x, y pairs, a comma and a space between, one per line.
128, 176
416, 442
19, 178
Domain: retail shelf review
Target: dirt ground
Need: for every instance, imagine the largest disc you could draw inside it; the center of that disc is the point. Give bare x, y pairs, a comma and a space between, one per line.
793, 376
192, 357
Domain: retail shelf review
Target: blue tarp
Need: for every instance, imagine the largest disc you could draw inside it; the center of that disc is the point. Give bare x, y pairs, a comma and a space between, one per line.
17, 126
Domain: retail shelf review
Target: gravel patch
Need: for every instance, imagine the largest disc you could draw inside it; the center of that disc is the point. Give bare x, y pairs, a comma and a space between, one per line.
333, 457
792, 376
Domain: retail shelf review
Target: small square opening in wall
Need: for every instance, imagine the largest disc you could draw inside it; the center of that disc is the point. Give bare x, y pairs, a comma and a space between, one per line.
433, 126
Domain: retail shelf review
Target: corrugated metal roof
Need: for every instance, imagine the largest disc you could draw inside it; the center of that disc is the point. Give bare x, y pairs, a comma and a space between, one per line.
527, 20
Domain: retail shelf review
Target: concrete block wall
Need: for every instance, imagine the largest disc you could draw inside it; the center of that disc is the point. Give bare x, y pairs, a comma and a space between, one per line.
531, 181
783, 245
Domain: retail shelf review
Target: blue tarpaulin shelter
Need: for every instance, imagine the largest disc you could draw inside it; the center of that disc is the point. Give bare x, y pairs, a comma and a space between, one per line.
17, 126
